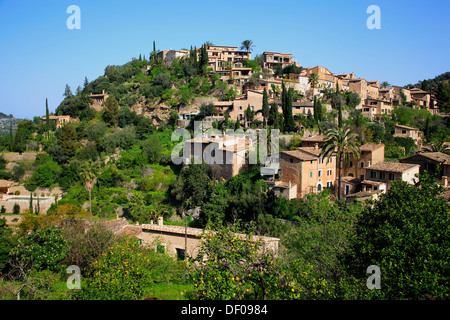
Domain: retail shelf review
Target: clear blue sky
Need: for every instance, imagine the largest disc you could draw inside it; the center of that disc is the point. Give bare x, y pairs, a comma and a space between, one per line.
39, 54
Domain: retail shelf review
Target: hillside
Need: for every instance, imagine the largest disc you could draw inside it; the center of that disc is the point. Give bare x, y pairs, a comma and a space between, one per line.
6, 121
431, 83
149, 86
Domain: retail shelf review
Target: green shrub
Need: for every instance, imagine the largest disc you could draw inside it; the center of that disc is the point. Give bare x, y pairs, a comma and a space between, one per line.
16, 208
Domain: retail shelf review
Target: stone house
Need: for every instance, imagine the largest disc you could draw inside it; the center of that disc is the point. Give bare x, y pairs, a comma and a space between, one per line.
272, 59
236, 108
225, 155
380, 175
98, 100
60, 120
174, 240
405, 132
370, 154
305, 168
431, 161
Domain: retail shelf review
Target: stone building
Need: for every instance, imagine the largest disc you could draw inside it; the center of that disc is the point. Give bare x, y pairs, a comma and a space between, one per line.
174, 240
305, 168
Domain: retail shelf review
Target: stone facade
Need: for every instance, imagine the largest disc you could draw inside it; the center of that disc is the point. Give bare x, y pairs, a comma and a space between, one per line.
307, 170
370, 154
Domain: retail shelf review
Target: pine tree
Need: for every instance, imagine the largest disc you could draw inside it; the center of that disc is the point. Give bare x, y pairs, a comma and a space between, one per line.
67, 92
443, 97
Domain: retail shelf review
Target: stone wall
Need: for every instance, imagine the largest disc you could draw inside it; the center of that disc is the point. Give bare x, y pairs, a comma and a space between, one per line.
171, 242
44, 205
14, 156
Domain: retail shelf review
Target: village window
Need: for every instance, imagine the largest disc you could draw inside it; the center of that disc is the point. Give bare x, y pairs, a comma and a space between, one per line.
329, 172
291, 160
181, 254
310, 174
347, 189
373, 174
320, 160
403, 131
320, 173
382, 175
375, 188
351, 164
391, 176
329, 184
361, 177
362, 164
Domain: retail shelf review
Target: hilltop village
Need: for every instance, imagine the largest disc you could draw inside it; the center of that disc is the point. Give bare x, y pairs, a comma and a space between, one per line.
327, 148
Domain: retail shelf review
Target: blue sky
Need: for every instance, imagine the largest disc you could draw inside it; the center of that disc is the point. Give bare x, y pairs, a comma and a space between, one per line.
39, 54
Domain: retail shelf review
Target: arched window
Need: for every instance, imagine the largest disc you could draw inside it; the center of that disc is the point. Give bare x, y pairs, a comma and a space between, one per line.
319, 187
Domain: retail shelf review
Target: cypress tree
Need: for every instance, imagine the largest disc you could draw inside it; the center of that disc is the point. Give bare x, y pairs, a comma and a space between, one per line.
273, 115
31, 202
316, 113
203, 61
340, 114
237, 125
265, 106
47, 117
287, 96
427, 128
11, 137
319, 110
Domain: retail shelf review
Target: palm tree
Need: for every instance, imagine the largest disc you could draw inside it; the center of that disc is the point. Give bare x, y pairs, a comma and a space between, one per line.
385, 84
313, 80
437, 146
88, 174
247, 45
342, 142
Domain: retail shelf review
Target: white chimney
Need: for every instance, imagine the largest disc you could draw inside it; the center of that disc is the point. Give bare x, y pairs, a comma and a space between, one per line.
316, 146
160, 221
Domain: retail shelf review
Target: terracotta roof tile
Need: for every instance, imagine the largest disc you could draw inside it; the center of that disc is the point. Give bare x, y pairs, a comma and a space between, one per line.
392, 166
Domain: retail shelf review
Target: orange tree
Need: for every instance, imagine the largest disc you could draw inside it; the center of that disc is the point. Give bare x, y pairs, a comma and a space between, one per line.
125, 270
234, 266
